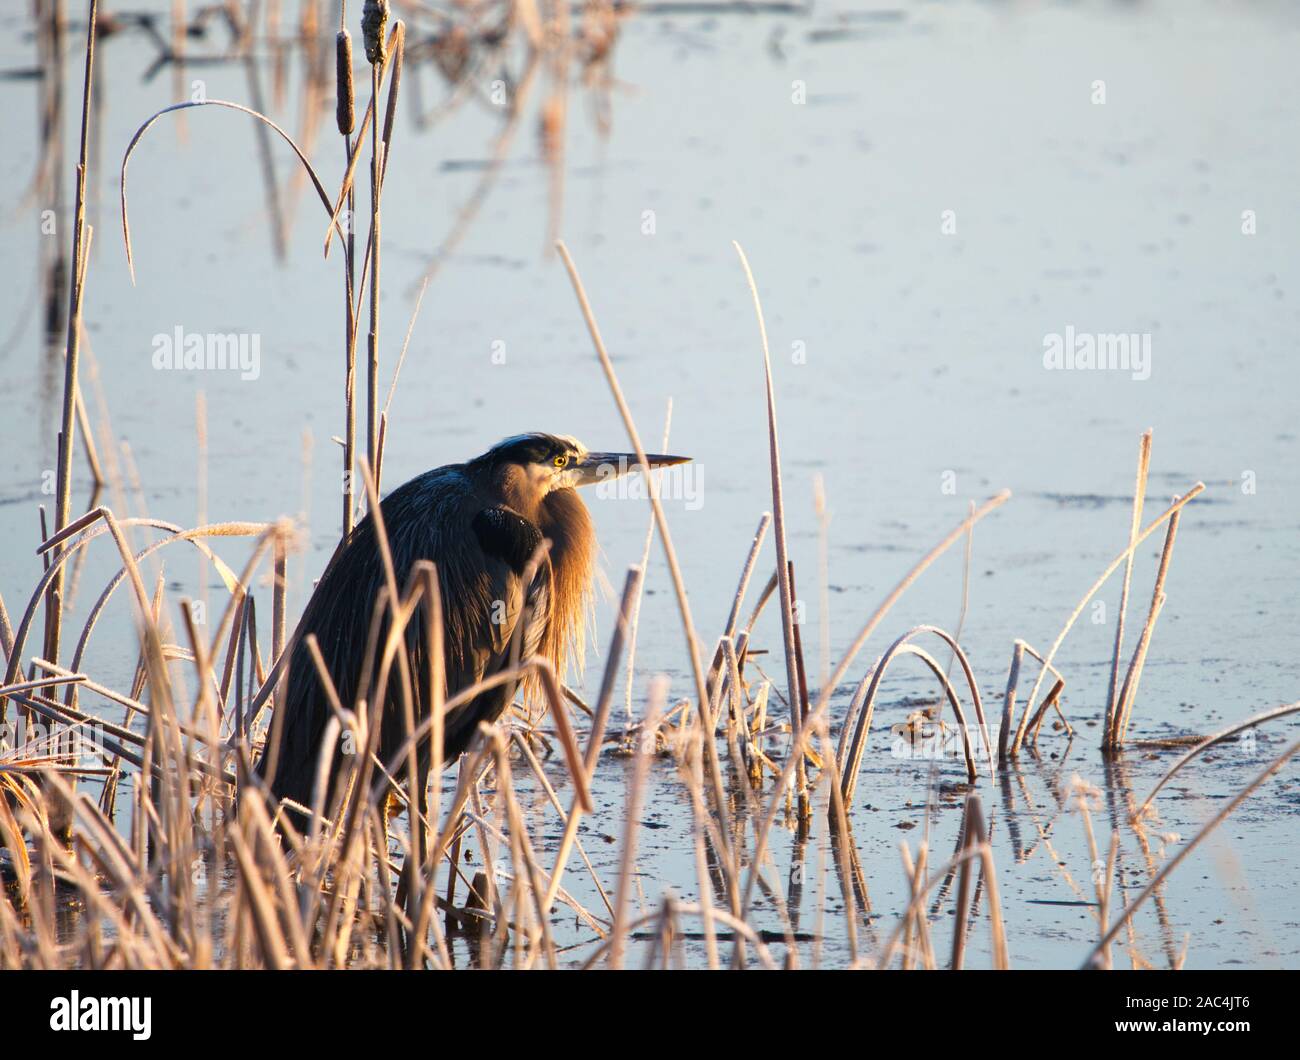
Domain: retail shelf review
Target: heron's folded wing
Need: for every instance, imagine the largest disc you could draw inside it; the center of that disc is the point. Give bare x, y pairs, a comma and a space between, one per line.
509, 543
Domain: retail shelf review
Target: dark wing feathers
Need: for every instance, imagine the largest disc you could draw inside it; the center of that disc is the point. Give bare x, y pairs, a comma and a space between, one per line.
508, 537
480, 552
506, 534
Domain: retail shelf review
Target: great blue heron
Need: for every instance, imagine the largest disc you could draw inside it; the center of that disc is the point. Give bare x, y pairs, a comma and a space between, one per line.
480, 523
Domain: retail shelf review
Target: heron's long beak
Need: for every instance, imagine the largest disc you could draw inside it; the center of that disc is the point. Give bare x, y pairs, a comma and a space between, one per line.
600, 467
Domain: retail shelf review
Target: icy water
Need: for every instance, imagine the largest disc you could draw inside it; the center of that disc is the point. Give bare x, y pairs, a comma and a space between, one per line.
927, 194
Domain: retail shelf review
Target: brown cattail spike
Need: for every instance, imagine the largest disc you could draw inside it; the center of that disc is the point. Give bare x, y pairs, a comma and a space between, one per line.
374, 19
344, 112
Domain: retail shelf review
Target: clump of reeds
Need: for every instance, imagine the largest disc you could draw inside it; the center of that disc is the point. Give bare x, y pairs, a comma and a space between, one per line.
1121, 697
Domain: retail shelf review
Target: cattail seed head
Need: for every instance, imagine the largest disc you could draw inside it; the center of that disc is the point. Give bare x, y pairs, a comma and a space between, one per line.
374, 19
344, 111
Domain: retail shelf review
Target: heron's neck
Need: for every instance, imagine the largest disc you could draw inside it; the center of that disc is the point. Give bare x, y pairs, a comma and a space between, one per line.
564, 519
515, 486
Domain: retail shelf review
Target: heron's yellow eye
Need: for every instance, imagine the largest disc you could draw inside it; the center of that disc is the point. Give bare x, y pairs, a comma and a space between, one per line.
561, 460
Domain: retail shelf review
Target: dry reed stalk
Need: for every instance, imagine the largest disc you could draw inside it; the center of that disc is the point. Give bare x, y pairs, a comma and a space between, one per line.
1052, 699
260, 903
978, 848
205, 706
862, 707
270, 855
194, 536
917, 901
44, 682
381, 149
201, 487
1128, 691
485, 892
841, 845
338, 911
392, 389
824, 577
434, 693
341, 718
1009, 699
6, 634
1150, 529
746, 573
1210, 741
116, 861
782, 552
60, 714
108, 798
670, 555
823, 703
800, 668
1139, 497
280, 587
83, 425
390, 66
742, 754
635, 617
926, 944
716, 671
261, 118
965, 589
233, 612
246, 671
737, 717
631, 593
568, 741
80, 247
434, 644
769, 590
234, 657
404, 607
1021, 648
345, 119
372, 335
129, 565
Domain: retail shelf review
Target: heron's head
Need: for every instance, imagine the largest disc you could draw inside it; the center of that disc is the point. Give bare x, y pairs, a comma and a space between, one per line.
529, 467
